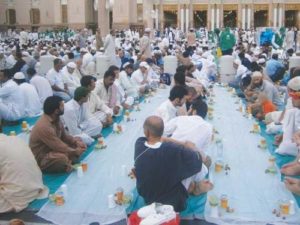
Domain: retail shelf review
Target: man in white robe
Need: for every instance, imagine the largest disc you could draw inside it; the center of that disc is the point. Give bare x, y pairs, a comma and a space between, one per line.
291, 122
140, 77
69, 78
33, 106
20, 177
77, 118
145, 44
108, 92
96, 106
41, 85
12, 106
125, 81
169, 109
110, 47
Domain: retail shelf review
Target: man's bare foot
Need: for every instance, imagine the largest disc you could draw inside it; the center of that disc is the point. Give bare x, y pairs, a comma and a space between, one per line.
202, 187
293, 185
291, 169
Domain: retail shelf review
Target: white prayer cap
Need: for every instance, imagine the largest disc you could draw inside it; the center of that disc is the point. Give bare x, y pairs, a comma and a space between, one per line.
83, 50
126, 64
45, 48
237, 62
261, 61
294, 84
147, 30
144, 64
264, 55
25, 54
101, 49
256, 52
71, 65
19, 76
257, 74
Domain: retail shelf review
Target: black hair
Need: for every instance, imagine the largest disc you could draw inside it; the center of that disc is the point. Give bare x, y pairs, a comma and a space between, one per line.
109, 73
201, 107
19, 81
275, 56
177, 92
113, 68
31, 71
51, 104
179, 78
85, 81
56, 61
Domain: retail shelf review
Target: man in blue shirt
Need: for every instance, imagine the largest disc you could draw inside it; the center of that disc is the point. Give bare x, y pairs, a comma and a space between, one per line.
275, 69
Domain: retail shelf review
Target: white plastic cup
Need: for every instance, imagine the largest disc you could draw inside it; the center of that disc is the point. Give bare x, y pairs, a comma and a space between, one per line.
214, 211
64, 190
115, 127
79, 172
111, 201
125, 170
292, 207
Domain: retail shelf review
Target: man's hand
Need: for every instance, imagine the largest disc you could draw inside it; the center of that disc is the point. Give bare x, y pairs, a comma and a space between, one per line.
109, 120
296, 138
190, 145
292, 184
203, 186
126, 106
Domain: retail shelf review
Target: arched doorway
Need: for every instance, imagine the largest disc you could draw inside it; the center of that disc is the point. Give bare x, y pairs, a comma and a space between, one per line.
261, 18
11, 16
291, 17
34, 16
230, 18
200, 18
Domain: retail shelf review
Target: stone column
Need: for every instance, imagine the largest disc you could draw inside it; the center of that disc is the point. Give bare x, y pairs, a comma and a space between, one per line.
103, 17
221, 16
240, 15
124, 13
161, 15
209, 25
191, 14
270, 14
178, 14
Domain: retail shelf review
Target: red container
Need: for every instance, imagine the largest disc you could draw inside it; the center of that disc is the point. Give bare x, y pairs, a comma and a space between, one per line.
135, 220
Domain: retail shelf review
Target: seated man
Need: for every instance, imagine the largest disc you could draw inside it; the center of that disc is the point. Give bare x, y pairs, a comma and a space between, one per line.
166, 171
12, 106
130, 88
41, 85
30, 96
20, 177
55, 79
69, 78
169, 109
257, 85
193, 99
96, 106
77, 118
126, 101
108, 92
275, 69
191, 128
291, 122
140, 77
262, 106
53, 148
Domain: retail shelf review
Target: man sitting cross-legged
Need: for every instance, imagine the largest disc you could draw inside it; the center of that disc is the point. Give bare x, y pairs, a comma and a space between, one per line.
165, 171
53, 148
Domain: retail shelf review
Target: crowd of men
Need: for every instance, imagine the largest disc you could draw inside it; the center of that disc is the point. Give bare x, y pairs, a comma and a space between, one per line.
74, 106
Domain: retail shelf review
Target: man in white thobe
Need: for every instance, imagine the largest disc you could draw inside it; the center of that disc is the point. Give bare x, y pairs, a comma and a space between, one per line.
12, 106
23, 40
140, 77
108, 92
128, 85
289, 40
77, 118
69, 77
33, 106
96, 106
110, 47
41, 85
291, 121
20, 177
169, 109
55, 79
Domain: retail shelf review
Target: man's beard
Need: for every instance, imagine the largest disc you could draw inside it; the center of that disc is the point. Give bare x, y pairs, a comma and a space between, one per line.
258, 84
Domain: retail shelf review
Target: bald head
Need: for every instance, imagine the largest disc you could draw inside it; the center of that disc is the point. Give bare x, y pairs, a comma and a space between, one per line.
154, 126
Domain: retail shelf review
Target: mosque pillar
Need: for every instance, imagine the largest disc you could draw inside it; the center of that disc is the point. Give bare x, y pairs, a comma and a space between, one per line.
103, 17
